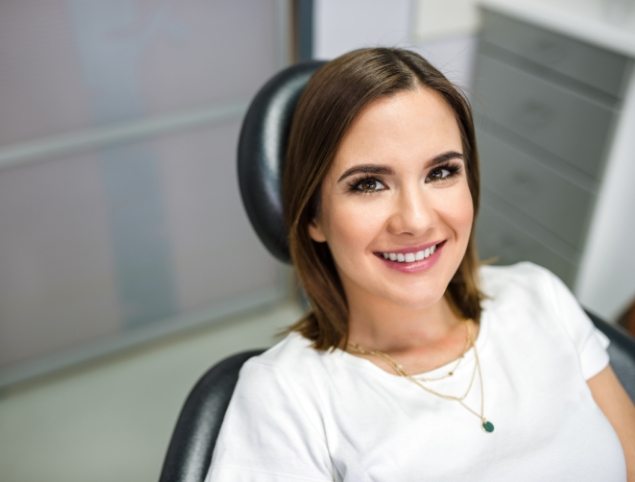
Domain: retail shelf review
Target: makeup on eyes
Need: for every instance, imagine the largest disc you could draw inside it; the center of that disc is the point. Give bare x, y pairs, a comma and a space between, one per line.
376, 170
372, 183
362, 185
452, 168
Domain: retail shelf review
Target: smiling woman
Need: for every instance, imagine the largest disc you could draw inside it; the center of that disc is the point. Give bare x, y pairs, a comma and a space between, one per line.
359, 128
409, 198
414, 362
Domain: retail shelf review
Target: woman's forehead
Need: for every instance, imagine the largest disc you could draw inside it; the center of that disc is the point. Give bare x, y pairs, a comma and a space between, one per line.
412, 123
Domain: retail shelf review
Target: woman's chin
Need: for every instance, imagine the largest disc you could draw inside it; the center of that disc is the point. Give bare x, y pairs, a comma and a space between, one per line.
416, 301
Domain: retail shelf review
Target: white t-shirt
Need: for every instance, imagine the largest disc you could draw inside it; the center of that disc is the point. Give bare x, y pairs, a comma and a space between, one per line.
299, 414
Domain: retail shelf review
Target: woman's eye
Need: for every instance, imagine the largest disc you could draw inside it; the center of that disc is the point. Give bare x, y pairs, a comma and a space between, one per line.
368, 185
442, 173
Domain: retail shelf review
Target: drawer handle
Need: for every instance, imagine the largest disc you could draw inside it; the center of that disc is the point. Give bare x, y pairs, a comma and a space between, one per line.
507, 242
525, 183
549, 51
535, 115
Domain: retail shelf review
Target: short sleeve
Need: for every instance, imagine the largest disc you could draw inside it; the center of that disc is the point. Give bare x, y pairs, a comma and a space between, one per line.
589, 342
270, 432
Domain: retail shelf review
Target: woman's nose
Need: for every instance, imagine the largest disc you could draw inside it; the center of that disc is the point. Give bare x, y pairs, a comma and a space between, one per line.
412, 213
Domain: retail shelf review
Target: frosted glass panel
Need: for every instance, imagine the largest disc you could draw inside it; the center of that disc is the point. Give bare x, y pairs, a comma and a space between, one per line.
72, 64
214, 249
57, 280
123, 237
130, 232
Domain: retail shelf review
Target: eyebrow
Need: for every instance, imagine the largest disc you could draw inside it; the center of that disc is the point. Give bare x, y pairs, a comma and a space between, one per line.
386, 170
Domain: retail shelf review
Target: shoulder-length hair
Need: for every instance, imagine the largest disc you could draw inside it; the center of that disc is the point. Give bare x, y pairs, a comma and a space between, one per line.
332, 99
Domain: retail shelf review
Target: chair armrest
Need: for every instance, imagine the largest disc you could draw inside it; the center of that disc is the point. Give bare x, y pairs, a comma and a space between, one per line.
192, 444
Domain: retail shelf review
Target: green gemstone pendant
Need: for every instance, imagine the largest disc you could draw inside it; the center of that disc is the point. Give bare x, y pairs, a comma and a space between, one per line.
488, 426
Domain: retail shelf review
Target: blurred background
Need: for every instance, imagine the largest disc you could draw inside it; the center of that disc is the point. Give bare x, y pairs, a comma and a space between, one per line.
127, 264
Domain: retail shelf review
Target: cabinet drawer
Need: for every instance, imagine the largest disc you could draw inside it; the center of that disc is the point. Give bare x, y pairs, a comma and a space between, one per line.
536, 189
497, 237
571, 126
583, 62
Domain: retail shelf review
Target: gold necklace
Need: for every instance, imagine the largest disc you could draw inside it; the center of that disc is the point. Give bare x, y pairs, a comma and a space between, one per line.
486, 424
398, 367
456, 365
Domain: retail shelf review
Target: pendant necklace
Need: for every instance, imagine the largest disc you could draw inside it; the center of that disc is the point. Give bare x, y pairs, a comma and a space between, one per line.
486, 424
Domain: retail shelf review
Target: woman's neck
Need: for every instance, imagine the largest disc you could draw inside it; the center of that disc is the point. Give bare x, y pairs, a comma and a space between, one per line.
390, 328
418, 339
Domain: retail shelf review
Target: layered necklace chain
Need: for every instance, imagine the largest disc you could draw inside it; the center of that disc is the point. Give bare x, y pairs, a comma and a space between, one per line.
487, 425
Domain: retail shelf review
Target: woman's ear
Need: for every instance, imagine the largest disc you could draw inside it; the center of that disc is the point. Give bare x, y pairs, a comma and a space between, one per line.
316, 232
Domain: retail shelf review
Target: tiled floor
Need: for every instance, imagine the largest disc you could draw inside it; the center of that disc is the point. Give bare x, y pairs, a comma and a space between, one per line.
111, 421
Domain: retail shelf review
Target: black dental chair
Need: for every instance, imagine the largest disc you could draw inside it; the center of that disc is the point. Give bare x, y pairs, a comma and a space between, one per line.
260, 155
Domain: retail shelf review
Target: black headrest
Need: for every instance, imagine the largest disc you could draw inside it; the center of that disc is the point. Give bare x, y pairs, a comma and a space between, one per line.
261, 149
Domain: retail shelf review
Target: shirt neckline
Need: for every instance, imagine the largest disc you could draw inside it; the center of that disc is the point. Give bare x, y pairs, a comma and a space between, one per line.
369, 367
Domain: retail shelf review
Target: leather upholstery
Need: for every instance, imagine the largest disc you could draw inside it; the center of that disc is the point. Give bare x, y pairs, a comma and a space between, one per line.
261, 150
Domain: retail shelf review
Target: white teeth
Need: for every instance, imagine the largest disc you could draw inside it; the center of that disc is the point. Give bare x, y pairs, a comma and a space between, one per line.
410, 257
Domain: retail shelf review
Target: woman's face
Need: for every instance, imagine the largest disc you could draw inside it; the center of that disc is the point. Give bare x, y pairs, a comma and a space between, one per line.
395, 206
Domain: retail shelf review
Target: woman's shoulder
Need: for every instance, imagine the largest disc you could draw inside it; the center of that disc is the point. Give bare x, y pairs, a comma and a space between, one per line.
523, 287
524, 273
290, 370
291, 355
520, 279
531, 298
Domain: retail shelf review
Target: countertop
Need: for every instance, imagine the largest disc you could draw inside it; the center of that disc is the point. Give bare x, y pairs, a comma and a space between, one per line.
605, 23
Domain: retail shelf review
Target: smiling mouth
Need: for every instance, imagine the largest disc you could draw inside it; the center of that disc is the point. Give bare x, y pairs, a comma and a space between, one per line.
410, 257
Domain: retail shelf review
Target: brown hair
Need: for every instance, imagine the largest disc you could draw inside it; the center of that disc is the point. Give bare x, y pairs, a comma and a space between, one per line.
332, 99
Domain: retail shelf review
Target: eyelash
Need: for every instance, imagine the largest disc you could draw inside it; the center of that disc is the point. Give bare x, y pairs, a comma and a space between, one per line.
453, 170
355, 186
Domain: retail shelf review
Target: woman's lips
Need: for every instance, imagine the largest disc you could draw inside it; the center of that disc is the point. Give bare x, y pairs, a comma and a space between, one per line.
412, 259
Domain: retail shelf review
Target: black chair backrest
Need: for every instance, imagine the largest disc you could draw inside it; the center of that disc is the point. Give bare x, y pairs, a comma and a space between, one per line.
261, 151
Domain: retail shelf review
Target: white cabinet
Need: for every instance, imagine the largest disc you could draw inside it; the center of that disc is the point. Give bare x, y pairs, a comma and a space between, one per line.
546, 106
